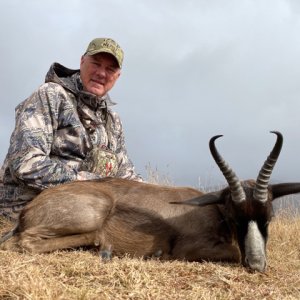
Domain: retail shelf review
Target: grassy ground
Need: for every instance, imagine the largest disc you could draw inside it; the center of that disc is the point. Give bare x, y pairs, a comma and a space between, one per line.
81, 275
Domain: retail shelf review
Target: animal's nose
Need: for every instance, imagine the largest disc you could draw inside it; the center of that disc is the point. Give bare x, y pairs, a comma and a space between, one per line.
257, 263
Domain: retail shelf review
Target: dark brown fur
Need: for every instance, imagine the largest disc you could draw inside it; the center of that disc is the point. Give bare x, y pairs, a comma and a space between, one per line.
126, 217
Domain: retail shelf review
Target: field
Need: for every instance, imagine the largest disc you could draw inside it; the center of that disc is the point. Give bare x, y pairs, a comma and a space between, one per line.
81, 275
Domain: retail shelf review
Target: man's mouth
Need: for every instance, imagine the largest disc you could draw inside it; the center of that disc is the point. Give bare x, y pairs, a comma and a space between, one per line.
98, 82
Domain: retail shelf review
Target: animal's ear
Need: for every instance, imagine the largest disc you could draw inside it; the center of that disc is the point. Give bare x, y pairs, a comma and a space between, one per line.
206, 199
283, 189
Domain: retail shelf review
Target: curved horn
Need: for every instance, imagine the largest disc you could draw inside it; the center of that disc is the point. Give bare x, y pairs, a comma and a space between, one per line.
283, 189
261, 189
237, 192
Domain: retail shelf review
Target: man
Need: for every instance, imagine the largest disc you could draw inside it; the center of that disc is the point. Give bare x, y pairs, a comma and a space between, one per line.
66, 130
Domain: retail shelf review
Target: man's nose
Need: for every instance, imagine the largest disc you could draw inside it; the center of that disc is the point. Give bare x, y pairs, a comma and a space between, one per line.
101, 71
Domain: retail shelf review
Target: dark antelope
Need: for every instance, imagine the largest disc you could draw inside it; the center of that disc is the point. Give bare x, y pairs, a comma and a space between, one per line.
140, 219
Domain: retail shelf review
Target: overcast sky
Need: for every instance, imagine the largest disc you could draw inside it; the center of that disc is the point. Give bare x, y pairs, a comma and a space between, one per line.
193, 69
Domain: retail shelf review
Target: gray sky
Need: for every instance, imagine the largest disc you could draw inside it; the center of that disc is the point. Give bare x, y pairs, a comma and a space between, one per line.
192, 69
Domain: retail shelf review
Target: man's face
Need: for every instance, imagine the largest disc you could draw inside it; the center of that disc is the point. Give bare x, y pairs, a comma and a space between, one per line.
99, 73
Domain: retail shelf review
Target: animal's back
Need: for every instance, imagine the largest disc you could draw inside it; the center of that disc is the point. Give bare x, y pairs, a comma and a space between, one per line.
78, 198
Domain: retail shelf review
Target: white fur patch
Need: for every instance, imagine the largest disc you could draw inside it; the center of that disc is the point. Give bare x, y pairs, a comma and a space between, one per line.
255, 248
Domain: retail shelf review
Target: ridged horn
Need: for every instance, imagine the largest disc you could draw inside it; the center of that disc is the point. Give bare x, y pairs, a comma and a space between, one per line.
261, 189
237, 192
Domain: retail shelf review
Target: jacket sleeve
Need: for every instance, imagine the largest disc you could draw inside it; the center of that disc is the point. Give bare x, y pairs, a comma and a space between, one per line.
28, 159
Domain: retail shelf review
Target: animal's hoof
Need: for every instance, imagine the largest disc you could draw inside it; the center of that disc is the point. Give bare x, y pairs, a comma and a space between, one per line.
158, 253
105, 255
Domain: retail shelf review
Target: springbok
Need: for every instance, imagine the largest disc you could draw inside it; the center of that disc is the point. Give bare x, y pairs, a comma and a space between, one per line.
141, 219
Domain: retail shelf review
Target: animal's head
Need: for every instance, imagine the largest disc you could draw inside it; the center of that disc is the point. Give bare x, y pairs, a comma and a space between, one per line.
248, 204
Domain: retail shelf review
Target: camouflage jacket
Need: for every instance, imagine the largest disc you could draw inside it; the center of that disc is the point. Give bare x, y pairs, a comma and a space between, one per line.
58, 133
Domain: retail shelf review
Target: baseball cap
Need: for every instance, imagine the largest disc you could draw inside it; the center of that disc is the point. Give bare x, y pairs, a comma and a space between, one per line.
106, 45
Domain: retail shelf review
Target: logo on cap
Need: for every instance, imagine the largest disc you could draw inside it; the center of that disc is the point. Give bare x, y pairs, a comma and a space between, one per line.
106, 45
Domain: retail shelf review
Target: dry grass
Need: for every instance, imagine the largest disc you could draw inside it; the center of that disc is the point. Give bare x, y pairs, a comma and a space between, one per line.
81, 275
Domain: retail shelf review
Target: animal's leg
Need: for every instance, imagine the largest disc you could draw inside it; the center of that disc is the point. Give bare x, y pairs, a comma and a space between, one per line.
222, 252
39, 242
189, 250
8, 235
11, 244
105, 251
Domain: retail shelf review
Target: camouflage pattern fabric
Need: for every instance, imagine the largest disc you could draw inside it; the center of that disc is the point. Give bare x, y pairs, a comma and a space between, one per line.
58, 135
102, 162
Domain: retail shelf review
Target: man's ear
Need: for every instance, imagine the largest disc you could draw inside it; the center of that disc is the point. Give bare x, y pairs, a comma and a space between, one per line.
82, 59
